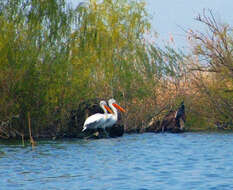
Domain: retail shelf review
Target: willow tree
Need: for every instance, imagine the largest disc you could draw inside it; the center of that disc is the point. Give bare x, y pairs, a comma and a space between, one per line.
109, 48
52, 57
34, 47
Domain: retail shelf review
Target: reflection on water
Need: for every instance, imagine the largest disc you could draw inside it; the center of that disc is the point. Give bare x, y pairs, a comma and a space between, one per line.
145, 161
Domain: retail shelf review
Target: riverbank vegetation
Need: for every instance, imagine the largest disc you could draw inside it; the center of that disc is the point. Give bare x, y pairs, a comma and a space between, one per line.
54, 56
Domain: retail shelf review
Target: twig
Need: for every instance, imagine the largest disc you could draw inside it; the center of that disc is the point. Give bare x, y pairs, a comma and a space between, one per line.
30, 131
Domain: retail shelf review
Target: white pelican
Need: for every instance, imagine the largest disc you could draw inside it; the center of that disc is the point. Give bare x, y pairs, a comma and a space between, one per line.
98, 119
111, 118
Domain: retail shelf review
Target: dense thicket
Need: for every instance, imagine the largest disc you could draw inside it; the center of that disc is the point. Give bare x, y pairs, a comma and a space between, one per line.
34, 61
52, 57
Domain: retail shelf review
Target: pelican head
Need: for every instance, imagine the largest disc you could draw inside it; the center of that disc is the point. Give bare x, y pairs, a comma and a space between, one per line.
105, 107
113, 102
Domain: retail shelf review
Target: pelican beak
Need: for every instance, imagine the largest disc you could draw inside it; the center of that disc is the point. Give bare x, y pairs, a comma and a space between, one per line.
107, 108
118, 107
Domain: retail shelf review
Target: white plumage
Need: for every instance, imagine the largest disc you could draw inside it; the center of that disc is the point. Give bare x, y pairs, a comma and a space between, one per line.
99, 120
112, 118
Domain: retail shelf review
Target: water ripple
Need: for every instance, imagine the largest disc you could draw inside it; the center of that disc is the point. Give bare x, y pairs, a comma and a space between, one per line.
137, 162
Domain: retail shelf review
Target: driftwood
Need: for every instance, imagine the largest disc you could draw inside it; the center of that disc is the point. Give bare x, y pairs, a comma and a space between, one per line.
7, 130
172, 122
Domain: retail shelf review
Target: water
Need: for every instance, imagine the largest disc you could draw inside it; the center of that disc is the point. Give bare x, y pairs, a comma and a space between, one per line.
133, 162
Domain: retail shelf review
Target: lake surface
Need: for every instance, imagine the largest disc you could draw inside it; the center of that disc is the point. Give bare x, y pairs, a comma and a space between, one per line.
133, 162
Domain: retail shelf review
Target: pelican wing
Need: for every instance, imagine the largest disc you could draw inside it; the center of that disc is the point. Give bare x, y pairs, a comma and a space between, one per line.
94, 121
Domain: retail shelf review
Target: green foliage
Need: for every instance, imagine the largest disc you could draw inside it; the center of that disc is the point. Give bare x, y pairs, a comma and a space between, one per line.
53, 57
34, 59
108, 47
